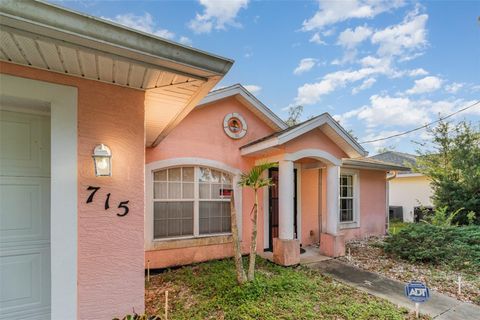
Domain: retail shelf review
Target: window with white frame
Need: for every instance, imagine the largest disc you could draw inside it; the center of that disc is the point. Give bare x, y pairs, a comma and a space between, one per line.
191, 201
347, 198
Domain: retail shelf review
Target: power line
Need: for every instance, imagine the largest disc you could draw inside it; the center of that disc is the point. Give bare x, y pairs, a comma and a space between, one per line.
422, 127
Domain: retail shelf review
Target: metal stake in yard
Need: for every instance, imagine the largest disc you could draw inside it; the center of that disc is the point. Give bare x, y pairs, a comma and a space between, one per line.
148, 271
459, 285
417, 309
166, 305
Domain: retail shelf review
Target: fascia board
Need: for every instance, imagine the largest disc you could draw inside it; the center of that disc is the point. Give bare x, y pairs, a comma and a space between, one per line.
270, 143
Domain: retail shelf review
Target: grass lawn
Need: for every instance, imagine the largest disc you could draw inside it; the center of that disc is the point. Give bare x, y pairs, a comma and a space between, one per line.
209, 291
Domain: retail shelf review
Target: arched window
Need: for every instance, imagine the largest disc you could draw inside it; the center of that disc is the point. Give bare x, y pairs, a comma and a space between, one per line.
191, 201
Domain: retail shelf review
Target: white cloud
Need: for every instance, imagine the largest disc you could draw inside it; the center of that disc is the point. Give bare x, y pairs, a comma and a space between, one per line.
311, 93
316, 39
328, 33
143, 23
348, 57
331, 12
417, 72
425, 85
305, 65
365, 85
217, 14
391, 111
386, 111
351, 38
253, 88
446, 107
185, 40
453, 87
402, 38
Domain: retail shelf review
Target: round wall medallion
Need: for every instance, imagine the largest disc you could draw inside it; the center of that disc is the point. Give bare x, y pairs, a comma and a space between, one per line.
235, 126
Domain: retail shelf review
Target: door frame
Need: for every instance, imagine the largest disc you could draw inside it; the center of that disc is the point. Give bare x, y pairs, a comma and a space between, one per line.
268, 241
64, 184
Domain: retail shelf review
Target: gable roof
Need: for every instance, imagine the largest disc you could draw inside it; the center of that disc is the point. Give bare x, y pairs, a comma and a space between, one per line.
248, 99
399, 158
325, 122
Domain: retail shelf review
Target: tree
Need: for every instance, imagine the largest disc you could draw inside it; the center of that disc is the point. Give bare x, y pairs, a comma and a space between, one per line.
453, 165
237, 251
255, 180
294, 114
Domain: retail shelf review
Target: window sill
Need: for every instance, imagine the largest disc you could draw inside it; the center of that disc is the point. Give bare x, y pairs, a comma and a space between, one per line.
186, 242
349, 225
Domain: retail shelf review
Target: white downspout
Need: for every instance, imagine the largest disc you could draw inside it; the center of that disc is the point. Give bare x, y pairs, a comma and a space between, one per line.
387, 198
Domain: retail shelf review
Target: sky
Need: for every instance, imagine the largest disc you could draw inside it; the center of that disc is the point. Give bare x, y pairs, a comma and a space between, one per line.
379, 67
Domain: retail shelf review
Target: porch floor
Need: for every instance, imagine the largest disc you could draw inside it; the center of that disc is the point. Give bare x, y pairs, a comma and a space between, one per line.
311, 255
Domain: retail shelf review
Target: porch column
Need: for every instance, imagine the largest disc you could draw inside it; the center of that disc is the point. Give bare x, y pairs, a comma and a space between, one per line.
333, 194
332, 243
285, 199
286, 249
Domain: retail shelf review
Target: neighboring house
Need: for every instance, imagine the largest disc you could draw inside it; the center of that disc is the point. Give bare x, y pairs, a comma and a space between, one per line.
408, 189
110, 160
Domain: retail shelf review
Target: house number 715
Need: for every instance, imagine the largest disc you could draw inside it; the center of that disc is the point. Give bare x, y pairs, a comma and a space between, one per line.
122, 205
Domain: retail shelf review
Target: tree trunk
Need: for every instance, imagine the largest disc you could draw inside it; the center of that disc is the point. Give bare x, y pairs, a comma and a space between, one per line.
253, 246
237, 252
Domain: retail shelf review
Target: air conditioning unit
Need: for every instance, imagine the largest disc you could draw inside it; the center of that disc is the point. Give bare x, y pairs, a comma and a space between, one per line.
395, 213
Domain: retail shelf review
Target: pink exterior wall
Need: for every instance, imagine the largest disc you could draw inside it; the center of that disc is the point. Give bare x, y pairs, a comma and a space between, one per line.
110, 248
201, 135
372, 205
314, 139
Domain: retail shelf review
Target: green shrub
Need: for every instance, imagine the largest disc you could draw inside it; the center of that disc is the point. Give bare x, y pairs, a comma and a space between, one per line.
456, 247
441, 217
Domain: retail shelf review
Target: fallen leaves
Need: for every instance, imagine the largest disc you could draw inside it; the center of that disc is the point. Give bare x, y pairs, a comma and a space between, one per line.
368, 254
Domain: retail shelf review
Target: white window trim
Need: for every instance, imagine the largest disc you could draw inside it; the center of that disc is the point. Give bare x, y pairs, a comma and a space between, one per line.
196, 203
356, 202
185, 162
64, 184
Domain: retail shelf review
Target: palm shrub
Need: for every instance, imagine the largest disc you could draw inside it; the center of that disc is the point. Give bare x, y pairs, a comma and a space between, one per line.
255, 180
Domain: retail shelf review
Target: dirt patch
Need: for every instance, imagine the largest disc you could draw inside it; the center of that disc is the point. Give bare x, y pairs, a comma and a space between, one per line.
368, 255
155, 295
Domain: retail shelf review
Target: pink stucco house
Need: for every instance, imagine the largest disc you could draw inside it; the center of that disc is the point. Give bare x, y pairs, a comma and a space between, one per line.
114, 155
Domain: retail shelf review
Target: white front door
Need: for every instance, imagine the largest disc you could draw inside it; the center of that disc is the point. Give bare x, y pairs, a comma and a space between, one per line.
24, 215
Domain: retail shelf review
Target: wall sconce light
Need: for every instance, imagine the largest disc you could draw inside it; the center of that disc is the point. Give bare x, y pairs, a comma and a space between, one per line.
102, 158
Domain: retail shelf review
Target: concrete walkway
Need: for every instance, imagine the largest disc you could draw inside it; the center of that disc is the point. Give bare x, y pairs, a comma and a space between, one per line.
439, 306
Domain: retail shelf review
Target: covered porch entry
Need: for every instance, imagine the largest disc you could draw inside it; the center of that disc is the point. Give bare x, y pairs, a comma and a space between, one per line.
303, 207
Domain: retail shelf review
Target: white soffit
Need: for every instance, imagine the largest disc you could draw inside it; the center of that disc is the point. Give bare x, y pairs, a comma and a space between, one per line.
40, 52
45, 36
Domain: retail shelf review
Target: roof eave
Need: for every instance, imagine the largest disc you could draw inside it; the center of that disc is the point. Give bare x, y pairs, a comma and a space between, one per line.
63, 24
301, 129
354, 163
